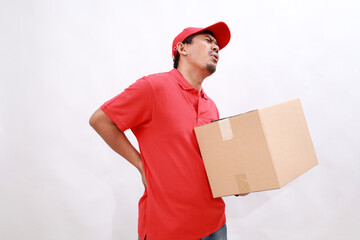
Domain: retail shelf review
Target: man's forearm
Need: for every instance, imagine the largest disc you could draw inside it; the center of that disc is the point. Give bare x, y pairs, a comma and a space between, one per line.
115, 138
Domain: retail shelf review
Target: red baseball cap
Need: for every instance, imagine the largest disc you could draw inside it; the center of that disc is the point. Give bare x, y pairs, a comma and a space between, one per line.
220, 30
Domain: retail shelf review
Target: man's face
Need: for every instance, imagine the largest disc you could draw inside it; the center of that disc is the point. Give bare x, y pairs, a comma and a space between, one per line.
203, 52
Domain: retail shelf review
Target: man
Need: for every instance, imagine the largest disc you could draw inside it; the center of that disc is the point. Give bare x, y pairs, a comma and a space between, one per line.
162, 111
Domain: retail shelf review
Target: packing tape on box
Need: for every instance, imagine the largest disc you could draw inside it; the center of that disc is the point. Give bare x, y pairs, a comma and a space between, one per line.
243, 183
225, 129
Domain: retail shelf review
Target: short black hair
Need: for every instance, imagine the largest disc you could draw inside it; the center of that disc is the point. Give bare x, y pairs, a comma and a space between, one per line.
188, 40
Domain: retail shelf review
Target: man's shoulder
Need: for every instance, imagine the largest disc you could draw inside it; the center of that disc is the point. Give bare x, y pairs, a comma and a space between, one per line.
159, 80
158, 76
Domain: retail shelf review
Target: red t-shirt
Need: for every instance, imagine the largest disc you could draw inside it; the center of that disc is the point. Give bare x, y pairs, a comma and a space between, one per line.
162, 111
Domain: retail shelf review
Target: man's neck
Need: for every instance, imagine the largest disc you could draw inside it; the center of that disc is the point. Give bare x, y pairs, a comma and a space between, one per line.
193, 76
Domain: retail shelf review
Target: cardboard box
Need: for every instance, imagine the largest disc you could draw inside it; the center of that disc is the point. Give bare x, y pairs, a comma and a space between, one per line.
259, 150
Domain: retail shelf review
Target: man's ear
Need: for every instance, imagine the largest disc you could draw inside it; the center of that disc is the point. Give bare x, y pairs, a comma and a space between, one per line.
181, 48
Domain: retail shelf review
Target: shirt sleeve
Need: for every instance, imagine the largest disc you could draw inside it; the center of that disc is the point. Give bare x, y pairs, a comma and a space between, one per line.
132, 108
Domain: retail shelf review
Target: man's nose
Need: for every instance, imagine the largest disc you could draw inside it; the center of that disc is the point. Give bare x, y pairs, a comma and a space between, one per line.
215, 48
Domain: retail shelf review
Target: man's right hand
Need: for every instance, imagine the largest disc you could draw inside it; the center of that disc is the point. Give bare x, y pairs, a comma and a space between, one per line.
142, 172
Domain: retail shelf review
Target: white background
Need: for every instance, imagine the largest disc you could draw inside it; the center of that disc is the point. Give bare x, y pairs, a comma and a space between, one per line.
60, 60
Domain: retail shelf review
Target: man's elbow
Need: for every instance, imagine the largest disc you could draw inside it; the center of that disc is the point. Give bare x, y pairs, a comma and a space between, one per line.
101, 123
95, 118
92, 121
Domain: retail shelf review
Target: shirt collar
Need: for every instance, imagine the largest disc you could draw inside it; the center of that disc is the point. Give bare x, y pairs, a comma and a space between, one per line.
185, 85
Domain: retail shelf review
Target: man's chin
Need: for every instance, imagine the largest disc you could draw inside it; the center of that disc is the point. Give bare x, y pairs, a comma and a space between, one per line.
211, 68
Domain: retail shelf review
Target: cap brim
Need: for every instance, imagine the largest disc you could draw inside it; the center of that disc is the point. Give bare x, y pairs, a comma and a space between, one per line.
221, 32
